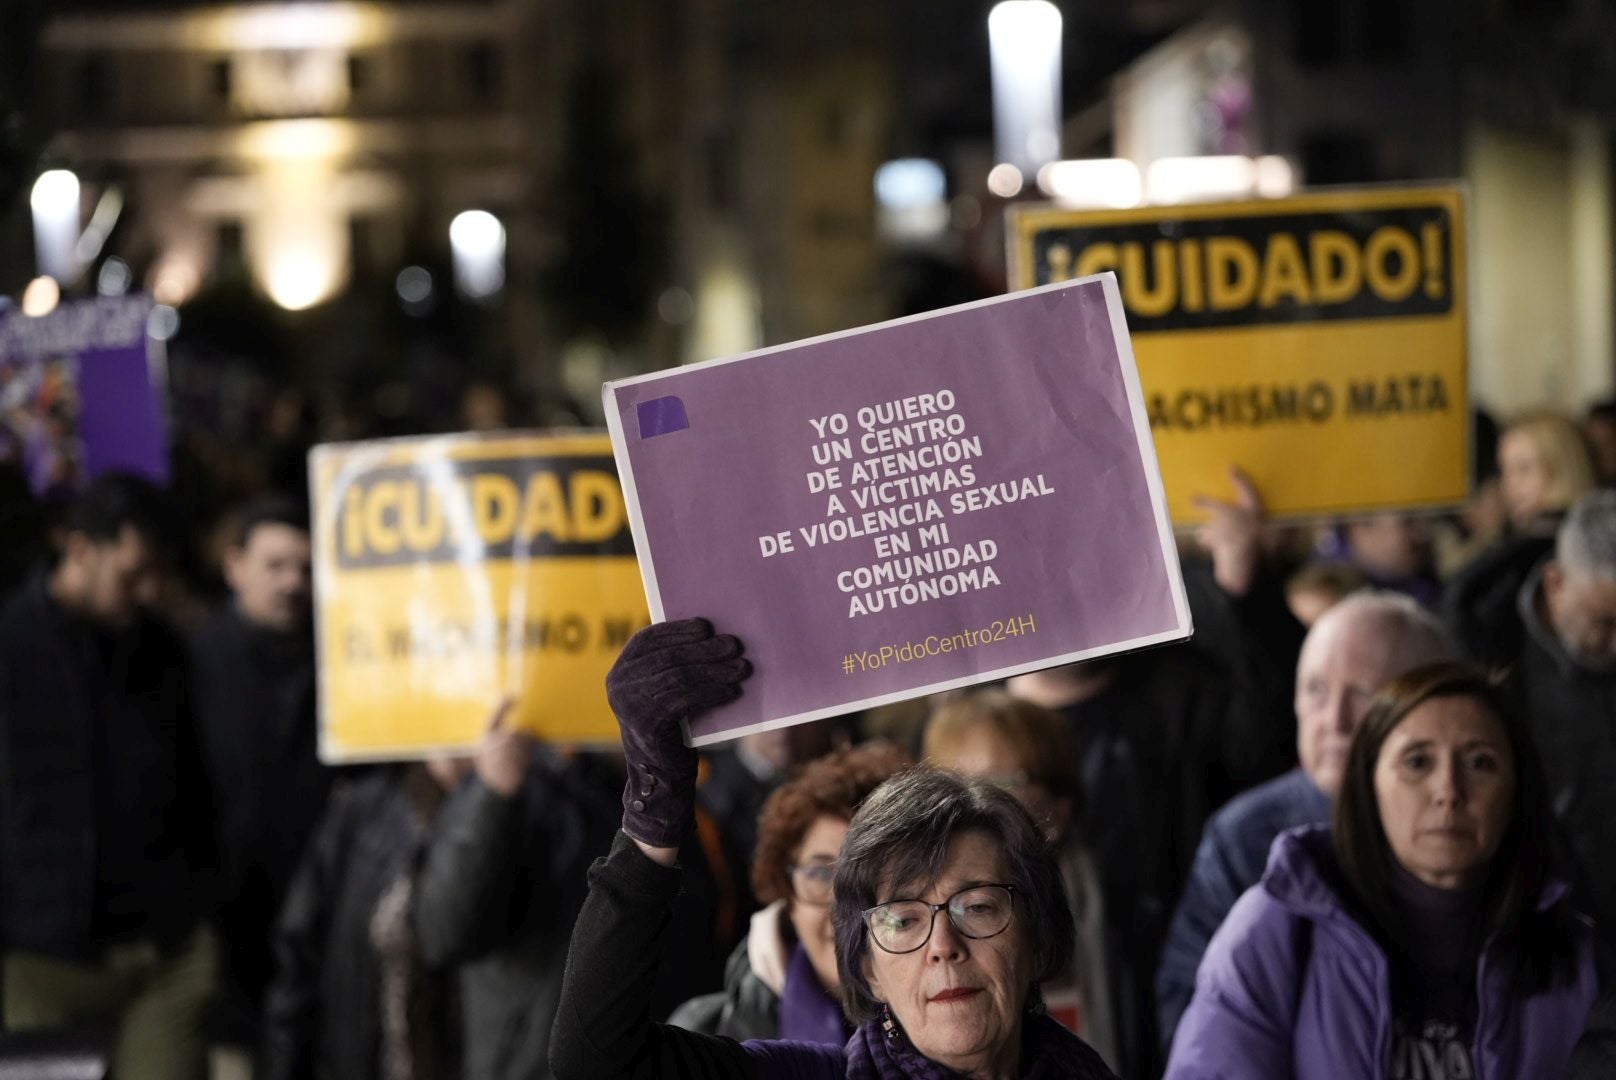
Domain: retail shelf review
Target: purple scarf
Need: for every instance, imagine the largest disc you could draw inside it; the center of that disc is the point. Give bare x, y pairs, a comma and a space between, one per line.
1048, 1052
807, 1013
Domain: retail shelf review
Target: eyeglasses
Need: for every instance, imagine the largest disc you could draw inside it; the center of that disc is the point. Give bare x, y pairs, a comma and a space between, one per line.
902, 926
812, 882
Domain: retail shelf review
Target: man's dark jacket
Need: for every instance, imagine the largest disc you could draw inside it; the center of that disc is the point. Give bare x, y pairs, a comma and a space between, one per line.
500, 886
105, 822
322, 1013
1571, 712
254, 696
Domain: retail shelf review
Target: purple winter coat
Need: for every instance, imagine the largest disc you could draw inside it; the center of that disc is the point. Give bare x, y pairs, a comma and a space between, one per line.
1293, 987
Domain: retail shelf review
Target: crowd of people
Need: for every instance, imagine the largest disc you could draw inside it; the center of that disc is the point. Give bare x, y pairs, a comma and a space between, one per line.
1361, 825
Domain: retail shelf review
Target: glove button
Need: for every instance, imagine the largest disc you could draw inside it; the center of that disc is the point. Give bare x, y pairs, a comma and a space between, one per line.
639, 806
647, 784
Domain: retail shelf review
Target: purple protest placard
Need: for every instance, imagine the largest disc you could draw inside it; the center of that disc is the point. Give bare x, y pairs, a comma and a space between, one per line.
907, 508
79, 394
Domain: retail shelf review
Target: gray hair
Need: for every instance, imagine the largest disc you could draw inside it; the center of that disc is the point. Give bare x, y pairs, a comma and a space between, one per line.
899, 840
1586, 545
1420, 636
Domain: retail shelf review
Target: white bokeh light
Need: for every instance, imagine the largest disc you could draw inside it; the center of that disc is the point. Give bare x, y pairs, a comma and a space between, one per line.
1024, 41
478, 241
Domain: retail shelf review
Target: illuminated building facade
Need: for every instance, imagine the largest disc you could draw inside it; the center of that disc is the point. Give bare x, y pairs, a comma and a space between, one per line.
305, 139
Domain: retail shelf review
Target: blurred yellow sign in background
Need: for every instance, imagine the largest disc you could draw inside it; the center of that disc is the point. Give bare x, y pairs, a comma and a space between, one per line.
450, 570
1318, 342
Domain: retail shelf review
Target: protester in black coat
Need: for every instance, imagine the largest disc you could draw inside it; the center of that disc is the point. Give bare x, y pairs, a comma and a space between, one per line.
105, 845
498, 892
253, 674
1566, 676
410, 873
323, 1012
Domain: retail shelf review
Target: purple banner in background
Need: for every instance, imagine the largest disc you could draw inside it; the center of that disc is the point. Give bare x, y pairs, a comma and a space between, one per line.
80, 395
915, 506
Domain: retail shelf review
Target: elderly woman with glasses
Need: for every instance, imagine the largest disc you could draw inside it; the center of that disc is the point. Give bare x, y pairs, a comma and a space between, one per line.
948, 911
781, 982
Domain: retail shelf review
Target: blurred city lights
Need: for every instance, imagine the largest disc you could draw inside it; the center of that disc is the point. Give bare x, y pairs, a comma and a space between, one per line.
1097, 183
1024, 41
56, 193
478, 241
102, 221
175, 282
295, 26
55, 204
41, 297
115, 278
477, 233
910, 200
299, 279
676, 306
295, 140
909, 182
1275, 177
163, 322
414, 285
1005, 180
1171, 180
1176, 180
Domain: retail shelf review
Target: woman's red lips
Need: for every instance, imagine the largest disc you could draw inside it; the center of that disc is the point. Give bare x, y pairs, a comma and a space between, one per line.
954, 994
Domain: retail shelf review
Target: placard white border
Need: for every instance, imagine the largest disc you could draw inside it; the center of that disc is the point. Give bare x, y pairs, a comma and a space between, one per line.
1142, 438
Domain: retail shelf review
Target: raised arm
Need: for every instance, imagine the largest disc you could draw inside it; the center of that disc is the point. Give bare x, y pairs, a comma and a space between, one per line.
469, 873
603, 1031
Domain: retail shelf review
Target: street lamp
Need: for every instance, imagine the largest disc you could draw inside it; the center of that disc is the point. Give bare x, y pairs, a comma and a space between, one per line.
1024, 41
478, 241
55, 202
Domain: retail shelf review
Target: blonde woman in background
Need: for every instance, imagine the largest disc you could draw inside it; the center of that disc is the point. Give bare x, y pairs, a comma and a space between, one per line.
1544, 467
1024, 748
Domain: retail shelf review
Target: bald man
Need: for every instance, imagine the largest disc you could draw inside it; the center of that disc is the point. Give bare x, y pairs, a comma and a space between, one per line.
1355, 648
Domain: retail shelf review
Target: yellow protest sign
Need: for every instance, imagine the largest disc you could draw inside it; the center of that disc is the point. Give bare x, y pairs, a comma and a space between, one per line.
1318, 342
451, 570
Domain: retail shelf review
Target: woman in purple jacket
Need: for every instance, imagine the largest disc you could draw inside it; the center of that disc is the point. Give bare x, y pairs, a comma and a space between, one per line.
1424, 934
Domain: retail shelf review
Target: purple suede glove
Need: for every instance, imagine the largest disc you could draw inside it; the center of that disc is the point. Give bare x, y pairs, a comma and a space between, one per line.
666, 673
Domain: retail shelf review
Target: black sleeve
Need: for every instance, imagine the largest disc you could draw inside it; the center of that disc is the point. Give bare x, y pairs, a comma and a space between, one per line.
198, 799
1255, 640
292, 1001
1595, 1055
1479, 603
463, 893
603, 1028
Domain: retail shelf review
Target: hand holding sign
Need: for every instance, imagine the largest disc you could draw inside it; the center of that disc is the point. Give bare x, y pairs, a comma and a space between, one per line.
503, 755
666, 674
1232, 534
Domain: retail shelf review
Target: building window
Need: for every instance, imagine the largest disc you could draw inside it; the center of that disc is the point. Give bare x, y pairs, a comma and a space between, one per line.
483, 73
358, 75
229, 247
94, 86
220, 80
